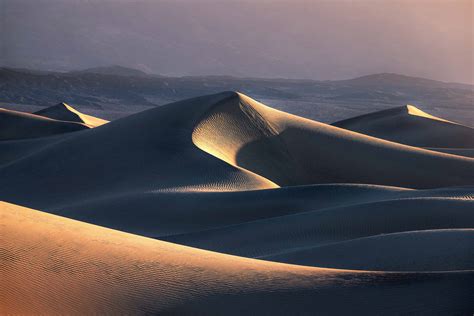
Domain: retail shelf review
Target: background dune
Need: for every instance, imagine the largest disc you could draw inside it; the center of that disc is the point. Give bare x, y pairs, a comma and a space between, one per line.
409, 125
19, 125
65, 112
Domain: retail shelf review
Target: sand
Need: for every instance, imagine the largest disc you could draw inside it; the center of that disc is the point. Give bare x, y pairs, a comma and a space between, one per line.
54, 265
222, 205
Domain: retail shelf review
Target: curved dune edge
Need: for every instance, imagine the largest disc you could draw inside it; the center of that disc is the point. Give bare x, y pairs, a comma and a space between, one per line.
19, 125
51, 264
65, 112
411, 126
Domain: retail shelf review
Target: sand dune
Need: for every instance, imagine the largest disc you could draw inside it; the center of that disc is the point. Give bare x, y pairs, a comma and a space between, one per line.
409, 125
222, 142
380, 226
429, 250
291, 150
53, 265
20, 125
65, 112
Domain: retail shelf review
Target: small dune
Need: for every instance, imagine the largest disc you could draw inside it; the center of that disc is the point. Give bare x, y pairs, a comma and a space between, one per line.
65, 112
411, 126
20, 125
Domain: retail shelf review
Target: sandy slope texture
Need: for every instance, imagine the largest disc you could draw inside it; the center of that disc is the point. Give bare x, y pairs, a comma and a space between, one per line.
409, 125
53, 265
65, 112
20, 125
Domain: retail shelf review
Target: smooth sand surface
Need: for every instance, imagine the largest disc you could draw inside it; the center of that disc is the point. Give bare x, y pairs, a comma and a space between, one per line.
409, 125
374, 226
54, 265
65, 112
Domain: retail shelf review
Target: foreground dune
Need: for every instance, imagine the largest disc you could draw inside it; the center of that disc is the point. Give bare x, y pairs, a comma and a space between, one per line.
19, 125
409, 125
55, 265
65, 112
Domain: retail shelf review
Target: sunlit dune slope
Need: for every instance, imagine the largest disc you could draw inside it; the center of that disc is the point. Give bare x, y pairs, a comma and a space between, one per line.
65, 112
430, 250
20, 125
409, 125
53, 265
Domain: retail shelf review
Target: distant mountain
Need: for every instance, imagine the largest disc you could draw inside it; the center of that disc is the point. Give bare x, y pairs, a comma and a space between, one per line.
118, 88
384, 79
113, 70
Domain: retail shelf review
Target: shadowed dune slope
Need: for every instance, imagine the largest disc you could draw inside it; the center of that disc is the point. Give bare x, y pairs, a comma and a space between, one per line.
409, 125
20, 125
65, 112
430, 250
53, 265
157, 214
221, 142
288, 233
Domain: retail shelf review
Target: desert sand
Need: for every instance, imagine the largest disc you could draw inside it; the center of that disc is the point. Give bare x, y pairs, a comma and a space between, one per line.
223, 205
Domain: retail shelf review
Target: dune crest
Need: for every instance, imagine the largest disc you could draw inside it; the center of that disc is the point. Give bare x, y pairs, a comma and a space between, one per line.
65, 112
410, 125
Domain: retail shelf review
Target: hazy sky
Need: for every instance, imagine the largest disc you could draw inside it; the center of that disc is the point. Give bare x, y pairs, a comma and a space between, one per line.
293, 39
